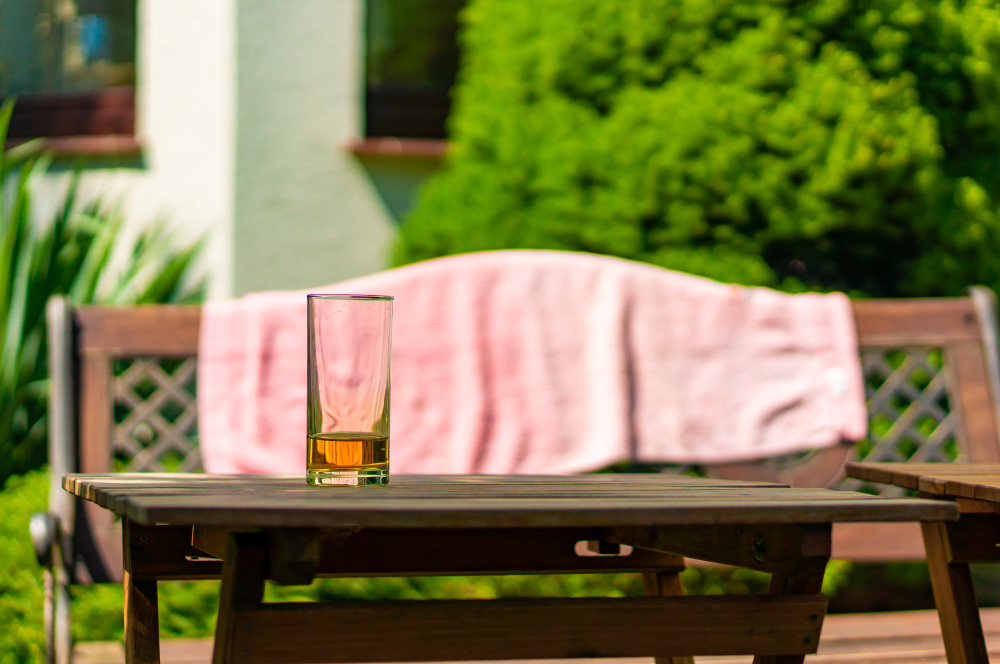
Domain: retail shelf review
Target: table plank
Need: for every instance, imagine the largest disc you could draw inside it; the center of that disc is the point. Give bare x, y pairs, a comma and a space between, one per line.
111, 492
630, 480
460, 501
98, 488
984, 488
102, 489
907, 475
971, 481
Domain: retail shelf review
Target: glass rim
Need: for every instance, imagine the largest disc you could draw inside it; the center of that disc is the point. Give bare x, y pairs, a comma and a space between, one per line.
346, 296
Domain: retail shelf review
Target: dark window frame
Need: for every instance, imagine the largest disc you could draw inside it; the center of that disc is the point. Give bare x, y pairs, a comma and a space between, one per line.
406, 109
80, 109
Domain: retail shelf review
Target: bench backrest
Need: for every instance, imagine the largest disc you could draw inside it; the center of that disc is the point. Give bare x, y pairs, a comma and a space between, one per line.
123, 399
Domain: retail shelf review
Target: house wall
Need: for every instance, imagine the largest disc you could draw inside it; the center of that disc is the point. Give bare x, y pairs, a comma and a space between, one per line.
185, 105
398, 180
244, 111
307, 212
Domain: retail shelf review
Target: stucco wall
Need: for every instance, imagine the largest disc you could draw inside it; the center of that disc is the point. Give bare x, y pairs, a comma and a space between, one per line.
244, 110
398, 180
185, 102
307, 212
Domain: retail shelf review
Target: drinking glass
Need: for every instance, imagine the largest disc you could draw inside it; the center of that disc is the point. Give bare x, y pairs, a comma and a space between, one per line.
350, 342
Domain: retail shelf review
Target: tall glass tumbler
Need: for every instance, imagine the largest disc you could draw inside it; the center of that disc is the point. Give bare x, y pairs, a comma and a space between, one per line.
350, 342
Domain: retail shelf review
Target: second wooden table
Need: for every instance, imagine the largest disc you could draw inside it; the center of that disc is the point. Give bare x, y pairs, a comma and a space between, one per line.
950, 547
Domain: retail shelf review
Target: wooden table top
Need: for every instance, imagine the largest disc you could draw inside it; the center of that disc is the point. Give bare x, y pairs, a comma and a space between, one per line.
472, 501
953, 480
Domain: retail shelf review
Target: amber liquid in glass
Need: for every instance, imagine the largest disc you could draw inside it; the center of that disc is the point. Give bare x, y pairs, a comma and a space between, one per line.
347, 451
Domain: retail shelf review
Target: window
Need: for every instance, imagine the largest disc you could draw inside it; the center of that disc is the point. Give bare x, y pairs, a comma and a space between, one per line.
411, 61
71, 64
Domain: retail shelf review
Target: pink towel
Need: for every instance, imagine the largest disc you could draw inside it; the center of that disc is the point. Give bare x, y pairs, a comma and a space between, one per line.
547, 362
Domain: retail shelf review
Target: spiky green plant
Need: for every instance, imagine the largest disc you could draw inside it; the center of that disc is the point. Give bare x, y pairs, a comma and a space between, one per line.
78, 253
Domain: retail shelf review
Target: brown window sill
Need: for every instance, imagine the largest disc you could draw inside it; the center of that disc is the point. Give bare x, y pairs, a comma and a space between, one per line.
410, 148
107, 112
114, 145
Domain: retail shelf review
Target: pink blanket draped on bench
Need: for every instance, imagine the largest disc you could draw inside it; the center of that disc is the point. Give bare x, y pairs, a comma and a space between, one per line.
547, 362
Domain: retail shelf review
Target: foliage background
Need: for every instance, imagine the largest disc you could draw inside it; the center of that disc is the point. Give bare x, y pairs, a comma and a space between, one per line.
815, 144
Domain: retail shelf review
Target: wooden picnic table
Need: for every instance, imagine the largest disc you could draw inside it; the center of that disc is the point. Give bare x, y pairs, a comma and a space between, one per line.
950, 547
248, 529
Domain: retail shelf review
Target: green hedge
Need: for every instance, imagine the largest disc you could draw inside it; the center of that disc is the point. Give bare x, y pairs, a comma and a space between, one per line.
807, 144
21, 592
188, 608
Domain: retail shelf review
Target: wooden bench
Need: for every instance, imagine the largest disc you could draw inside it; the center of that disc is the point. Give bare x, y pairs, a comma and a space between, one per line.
123, 400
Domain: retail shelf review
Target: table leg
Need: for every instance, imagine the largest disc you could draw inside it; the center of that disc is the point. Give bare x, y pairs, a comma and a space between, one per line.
243, 571
786, 585
142, 625
956, 602
665, 584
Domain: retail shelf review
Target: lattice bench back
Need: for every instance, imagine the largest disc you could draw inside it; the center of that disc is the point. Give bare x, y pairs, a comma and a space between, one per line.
155, 421
125, 401
933, 381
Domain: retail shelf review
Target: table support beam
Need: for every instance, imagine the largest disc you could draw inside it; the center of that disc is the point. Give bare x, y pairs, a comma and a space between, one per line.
165, 553
445, 551
243, 572
536, 628
961, 627
142, 624
665, 584
972, 539
782, 585
788, 549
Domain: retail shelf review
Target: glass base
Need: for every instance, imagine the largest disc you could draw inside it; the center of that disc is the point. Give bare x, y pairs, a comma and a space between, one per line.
346, 477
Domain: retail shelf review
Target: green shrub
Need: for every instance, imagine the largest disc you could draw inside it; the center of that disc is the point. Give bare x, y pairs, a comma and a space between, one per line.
814, 144
82, 253
187, 608
22, 638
